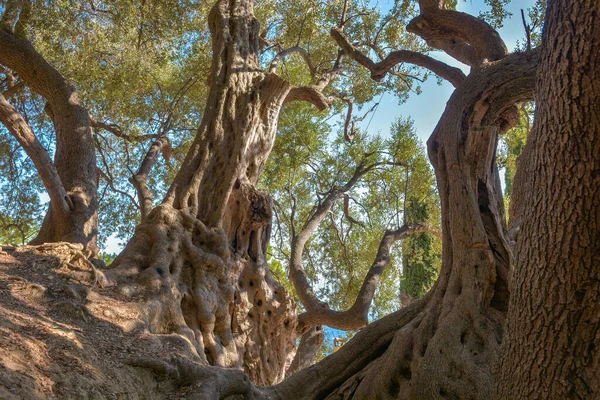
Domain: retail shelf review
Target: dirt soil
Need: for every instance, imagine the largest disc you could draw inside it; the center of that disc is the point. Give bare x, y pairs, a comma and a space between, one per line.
64, 337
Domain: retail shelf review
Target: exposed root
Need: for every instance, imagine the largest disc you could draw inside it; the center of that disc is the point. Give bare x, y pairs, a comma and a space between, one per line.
71, 256
207, 382
443, 353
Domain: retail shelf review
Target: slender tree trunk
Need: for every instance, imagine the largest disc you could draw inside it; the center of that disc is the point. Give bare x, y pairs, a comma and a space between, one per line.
550, 349
75, 160
74, 217
199, 258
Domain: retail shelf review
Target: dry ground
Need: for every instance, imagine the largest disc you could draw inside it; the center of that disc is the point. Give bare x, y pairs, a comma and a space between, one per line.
63, 337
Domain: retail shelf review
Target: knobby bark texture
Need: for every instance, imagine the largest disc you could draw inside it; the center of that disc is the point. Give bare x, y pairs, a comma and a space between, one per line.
550, 349
199, 259
71, 179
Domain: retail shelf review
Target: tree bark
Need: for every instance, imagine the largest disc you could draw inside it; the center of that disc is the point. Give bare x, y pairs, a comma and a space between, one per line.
550, 349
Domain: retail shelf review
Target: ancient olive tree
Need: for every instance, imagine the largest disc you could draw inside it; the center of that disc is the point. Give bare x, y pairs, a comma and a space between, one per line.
198, 257
198, 260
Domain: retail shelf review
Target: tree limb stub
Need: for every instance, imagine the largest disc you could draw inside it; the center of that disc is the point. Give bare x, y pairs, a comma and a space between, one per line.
13, 89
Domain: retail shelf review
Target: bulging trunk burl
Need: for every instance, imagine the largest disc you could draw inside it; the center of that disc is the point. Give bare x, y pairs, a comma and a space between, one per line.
550, 349
199, 258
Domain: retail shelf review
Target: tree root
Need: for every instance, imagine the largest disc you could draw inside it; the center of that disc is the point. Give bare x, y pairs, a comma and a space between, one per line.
208, 383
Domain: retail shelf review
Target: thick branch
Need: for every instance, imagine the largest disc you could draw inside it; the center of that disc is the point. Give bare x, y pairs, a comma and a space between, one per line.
356, 317
21, 130
75, 157
297, 274
311, 94
314, 93
465, 37
380, 69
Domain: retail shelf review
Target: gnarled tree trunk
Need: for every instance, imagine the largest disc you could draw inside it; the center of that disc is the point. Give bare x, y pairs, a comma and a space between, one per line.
199, 257
445, 345
550, 350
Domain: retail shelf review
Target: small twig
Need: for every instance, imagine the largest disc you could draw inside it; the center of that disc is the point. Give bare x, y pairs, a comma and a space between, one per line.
527, 30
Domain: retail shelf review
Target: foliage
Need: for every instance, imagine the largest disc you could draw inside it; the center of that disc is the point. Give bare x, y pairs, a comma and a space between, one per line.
421, 255
20, 208
535, 21
307, 163
107, 258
